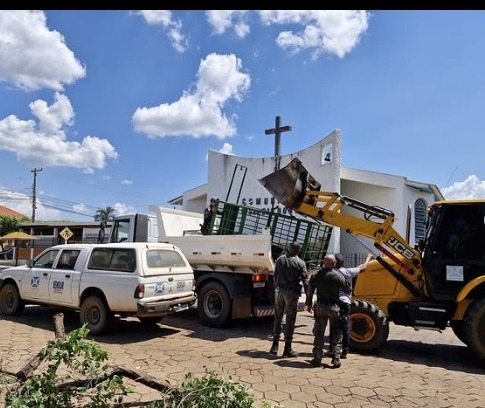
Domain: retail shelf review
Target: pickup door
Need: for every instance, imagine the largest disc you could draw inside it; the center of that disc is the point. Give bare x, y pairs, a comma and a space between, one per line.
35, 280
51, 277
64, 277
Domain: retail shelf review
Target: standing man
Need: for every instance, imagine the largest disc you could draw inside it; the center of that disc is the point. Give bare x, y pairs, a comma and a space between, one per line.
327, 282
345, 299
290, 270
208, 214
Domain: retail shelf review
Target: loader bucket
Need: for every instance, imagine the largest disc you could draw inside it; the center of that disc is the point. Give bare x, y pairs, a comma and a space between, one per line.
290, 184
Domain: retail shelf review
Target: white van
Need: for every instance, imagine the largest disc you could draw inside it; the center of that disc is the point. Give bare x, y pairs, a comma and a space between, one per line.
146, 280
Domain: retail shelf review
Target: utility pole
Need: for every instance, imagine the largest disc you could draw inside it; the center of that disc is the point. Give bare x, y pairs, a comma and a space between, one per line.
34, 193
276, 131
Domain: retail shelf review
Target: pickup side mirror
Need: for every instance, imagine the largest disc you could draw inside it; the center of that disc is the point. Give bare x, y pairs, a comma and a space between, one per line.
30, 263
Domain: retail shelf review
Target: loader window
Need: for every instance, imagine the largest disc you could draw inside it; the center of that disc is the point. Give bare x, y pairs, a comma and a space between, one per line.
464, 236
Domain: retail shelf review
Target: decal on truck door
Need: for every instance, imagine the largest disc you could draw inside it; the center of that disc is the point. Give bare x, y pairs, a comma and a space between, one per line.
57, 286
35, 281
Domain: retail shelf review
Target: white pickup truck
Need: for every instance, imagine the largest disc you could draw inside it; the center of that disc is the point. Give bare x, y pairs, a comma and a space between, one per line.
145, 280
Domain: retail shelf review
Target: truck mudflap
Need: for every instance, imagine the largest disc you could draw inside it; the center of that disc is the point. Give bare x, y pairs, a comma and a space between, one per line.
165, 307
262, 311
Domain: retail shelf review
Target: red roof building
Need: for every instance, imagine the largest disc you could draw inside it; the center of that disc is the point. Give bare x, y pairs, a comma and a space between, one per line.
7, 212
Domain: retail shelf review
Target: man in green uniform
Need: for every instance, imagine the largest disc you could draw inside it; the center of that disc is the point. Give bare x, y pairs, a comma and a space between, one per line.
327, 282
290, 270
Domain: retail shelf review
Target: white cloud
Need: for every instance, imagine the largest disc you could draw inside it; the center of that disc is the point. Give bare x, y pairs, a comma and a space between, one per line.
121, 209
81, 208
226, 148
22, 203
471, 187
32, 56
44, 143
223, 20
128, 182
171, 27
199, 112
324, 31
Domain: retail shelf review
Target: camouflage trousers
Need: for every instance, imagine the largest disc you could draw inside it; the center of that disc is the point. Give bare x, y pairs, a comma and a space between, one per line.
286, 303
327, 313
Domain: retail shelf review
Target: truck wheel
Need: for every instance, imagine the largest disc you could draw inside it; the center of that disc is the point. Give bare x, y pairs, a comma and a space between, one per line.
459, 329
10, 302
214, 305
369, 327
474, 327
96, 314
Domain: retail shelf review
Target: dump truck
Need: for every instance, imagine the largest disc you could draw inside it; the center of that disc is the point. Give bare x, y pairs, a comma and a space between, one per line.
234, 262
436, 284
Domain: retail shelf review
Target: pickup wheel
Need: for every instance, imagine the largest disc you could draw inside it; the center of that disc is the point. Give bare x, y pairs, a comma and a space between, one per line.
474, 327
369, 327
96, 314
10, 302
214, 305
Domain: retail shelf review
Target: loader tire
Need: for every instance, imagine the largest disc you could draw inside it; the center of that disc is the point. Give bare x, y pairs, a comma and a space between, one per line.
458, 328
214, 305
369, 327
474, 325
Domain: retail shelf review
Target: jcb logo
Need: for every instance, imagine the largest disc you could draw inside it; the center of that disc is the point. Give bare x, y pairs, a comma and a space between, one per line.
407, 253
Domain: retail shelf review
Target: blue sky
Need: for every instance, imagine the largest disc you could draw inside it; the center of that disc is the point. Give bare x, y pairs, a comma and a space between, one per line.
119, 108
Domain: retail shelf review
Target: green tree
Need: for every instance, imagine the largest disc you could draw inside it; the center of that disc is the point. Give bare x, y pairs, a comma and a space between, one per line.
105, 214
8, 224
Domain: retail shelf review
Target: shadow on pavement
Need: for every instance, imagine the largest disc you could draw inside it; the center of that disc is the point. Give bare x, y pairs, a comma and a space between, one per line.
123, 331
450, 357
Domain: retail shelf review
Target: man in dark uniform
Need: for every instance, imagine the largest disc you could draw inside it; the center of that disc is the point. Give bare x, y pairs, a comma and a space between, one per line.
345, 299
290, 270
327, 282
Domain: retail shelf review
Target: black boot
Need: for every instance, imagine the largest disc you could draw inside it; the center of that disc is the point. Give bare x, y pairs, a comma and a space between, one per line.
288, 352
335, 362
274, 347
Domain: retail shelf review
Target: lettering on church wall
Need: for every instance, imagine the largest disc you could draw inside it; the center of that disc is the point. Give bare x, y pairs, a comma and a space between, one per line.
264, 203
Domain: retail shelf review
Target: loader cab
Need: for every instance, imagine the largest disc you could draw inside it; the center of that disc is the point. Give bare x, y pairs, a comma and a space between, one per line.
454, 249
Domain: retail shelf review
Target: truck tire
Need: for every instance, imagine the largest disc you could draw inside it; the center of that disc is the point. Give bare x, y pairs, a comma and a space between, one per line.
458, 328
474, 327
96, 314
214, 305
10, 302
369, 327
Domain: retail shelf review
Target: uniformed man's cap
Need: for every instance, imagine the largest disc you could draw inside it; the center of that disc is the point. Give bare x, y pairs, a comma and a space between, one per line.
339, 258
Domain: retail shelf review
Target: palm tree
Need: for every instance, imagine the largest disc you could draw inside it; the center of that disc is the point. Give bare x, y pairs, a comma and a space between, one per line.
105, 214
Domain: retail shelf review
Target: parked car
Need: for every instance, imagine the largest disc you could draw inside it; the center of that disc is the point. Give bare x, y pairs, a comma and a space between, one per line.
7, 253
145, 280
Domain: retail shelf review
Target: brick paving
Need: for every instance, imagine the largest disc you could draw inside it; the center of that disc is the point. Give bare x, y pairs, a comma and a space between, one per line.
415, 368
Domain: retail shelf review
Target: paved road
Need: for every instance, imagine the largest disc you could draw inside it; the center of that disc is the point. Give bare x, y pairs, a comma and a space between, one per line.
415, 369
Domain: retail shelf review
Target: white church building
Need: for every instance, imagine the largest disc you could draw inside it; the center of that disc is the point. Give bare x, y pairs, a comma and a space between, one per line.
234, 179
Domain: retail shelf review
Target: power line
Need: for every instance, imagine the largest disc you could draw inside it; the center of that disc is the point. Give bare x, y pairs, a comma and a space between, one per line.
68, 211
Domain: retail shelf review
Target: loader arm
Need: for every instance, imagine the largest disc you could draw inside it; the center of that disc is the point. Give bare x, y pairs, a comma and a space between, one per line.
295, 188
